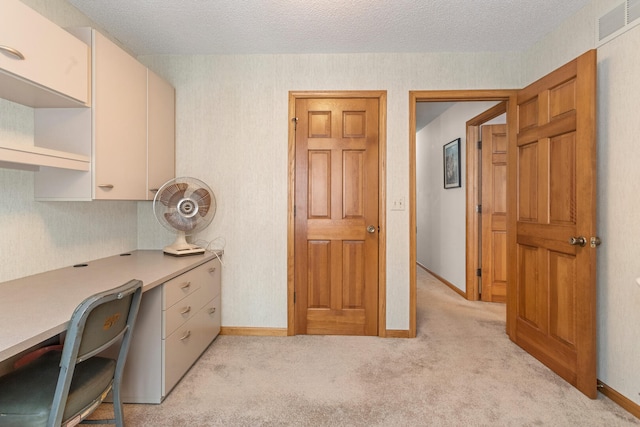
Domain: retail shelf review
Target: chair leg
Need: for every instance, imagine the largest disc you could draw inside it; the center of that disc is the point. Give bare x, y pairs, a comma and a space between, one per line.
117, 406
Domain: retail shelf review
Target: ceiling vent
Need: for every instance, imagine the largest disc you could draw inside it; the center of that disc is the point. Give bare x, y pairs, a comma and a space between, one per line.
617, 21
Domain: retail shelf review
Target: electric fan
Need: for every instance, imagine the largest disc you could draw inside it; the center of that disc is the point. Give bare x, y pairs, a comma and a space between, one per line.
184, 205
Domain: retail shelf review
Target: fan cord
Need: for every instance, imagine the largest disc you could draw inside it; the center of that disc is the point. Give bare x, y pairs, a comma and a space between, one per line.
208, 245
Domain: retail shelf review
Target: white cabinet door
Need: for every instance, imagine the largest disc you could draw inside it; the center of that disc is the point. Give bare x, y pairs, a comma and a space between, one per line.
120, 118
55, 62
161, 132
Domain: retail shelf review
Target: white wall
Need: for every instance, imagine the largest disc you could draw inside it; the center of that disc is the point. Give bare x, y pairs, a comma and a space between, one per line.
618, 177
232, 132
440, 212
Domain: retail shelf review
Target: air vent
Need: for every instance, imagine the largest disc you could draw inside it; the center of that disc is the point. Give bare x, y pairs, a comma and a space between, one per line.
617, 21
633, 10
611, 22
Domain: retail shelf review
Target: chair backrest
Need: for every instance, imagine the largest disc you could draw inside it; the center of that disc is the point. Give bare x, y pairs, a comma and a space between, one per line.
97, 323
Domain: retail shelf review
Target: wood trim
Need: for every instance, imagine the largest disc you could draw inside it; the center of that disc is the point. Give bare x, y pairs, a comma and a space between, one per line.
625, 403
472, 200
397, 333
382, 201
438, 96
291, 310
255, 332
444, 281
472, 220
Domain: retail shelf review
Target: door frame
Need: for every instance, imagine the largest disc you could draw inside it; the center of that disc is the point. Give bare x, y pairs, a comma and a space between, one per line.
381, 95
474, 233
508, 95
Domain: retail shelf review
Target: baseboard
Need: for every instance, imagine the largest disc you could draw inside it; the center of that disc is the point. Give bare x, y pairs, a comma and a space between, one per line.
257, 332
627, 404
397, 333
453, 287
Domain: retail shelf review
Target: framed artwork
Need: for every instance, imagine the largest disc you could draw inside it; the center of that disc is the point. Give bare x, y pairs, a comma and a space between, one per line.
451, 164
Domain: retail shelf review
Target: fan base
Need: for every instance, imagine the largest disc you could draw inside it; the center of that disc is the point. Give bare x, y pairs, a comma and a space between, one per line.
194, 250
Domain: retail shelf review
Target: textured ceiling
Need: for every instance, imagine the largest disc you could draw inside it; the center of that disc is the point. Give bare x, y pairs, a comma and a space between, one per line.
326, 26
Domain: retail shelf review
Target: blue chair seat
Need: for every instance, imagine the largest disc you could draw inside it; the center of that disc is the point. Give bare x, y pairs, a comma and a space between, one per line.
25, 394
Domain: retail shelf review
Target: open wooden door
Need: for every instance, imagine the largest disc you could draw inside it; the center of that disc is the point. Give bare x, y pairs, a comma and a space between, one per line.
552, 223
494, 213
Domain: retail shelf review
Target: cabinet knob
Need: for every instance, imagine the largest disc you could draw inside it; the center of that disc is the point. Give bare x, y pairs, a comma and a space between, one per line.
212, 310
212, 270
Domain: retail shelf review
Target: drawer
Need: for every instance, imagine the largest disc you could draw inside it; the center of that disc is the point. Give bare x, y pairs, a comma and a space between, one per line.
211, 286
212, 315
183, 347
183, 285
180, 312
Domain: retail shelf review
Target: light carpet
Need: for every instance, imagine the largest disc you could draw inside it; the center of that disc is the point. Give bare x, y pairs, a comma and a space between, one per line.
461, 370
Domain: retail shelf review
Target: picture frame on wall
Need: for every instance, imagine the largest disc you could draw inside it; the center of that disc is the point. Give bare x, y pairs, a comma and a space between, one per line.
451, 164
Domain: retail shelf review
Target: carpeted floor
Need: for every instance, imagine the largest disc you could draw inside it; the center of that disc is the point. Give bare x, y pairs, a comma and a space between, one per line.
461, 370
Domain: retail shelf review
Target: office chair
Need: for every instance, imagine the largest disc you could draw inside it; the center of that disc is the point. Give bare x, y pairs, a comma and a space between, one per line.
62, 388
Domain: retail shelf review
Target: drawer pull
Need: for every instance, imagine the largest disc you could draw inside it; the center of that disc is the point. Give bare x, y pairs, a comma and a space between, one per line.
185, 336
185, 286
105, 186
212, 270
12, 51
186, 310
212, 310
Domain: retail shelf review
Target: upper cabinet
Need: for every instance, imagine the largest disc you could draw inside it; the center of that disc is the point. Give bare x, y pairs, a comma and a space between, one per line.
120, 120
41, 64
129, 133
161, 130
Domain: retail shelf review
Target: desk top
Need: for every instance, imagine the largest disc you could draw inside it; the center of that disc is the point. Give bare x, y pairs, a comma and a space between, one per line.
36, 308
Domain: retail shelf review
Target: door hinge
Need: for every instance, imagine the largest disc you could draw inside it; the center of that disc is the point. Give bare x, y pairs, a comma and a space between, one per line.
294, 297
294, 211
479, 145
479, 272
295, 123
478, 208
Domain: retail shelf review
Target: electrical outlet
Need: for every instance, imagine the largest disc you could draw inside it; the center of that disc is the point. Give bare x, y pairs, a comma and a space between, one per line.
398, 204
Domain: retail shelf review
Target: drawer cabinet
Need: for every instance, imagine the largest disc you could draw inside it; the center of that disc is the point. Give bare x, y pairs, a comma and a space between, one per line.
176, 323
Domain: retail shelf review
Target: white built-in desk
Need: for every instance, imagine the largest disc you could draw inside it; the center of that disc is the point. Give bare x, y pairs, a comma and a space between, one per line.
36, 308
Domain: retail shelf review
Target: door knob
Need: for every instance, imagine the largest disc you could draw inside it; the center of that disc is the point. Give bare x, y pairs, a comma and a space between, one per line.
371, 229
577, 241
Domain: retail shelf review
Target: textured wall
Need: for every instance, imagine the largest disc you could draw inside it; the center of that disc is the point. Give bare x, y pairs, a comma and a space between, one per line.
441, 213
232, 132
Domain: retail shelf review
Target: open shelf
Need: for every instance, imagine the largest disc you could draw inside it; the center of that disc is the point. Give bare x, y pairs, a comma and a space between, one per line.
31, 157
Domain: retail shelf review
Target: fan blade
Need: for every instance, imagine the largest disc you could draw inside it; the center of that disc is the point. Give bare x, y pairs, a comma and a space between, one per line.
203, 199
180, 222
172, 194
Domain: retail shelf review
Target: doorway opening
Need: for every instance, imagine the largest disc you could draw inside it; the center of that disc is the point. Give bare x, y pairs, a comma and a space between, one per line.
470, 181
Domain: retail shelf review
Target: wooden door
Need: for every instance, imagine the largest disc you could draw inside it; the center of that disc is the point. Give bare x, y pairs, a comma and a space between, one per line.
494, 213
336, 216
552, 195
